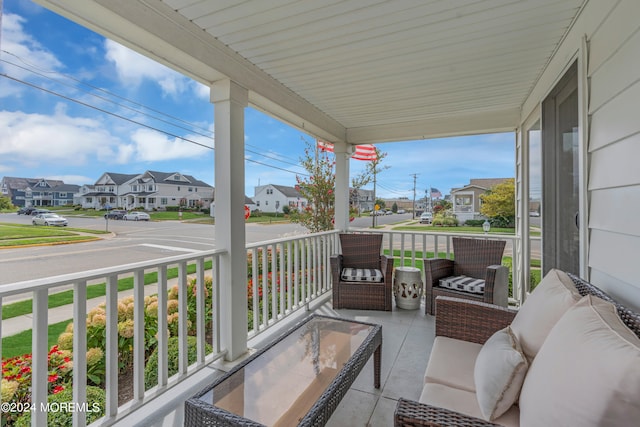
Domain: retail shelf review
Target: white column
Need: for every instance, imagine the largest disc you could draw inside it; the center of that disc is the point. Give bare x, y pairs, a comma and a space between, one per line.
342, 151
230, 100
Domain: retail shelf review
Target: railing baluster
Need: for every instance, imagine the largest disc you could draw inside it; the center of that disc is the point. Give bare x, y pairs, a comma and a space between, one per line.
216, 304
163, 357
265, 286
111, 356
200, 310
79, 350
289, 276
297, 273
183, 317
39, 362
255, 281
138, 335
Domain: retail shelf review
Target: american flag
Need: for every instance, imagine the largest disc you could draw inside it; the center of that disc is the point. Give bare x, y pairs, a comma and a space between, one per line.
363, 152
435, 193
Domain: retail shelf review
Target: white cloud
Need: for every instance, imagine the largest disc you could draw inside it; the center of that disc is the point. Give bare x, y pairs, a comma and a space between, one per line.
151, 146
133, 68
31, 140
24, 51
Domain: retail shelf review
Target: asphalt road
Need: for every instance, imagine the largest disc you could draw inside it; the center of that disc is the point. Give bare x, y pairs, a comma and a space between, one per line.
133, 242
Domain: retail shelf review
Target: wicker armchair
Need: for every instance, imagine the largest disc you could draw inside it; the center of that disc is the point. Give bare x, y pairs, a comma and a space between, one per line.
477, 258
362, 251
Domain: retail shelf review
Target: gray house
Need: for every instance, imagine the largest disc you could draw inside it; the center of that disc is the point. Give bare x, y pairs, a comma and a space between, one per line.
37, 191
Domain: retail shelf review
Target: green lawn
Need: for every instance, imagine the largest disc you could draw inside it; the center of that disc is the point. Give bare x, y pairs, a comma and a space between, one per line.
19, 344
23, 234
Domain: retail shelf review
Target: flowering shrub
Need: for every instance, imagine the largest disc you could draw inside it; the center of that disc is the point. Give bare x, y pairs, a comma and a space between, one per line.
16, 378
97, 320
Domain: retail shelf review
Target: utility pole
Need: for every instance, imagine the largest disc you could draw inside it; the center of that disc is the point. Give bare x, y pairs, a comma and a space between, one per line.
413, 209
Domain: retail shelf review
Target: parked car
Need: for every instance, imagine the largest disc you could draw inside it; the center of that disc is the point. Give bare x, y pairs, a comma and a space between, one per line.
401, 211
40, 211
136, 216
115, 214
426, 218
49, 219
26, 210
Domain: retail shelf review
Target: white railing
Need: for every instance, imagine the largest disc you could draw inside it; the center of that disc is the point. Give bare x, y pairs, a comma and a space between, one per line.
286, 275
179, 267
298, 267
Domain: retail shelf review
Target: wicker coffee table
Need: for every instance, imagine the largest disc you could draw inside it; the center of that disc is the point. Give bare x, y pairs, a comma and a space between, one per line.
297, 380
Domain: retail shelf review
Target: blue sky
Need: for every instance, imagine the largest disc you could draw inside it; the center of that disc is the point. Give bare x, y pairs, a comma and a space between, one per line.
74, 105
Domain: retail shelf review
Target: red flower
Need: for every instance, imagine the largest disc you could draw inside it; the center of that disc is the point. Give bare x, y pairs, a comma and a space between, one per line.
53, 378
57, 389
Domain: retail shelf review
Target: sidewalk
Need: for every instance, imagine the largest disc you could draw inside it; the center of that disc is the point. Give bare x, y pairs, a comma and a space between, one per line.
18, 324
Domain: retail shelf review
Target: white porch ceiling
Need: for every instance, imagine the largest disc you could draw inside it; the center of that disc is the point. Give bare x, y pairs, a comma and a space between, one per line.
357, 70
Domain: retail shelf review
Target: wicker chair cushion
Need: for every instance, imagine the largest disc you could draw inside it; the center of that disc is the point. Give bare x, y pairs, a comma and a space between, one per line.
361, 275
586, 372
452, 362
462, 401
464, 284
499, 373
553, 296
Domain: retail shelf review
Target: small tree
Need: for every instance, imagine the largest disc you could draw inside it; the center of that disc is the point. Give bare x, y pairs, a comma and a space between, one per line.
5, 203
499, 202
317, 187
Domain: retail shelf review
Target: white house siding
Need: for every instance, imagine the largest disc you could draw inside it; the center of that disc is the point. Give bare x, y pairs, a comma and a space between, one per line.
614, 150
612, 176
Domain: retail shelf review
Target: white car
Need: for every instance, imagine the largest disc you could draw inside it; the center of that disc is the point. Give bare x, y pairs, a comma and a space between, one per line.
136, 216
425, 218
49, 219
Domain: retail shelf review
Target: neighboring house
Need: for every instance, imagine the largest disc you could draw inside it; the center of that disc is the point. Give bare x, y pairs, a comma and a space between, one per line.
466, 200
361, 199
271, 198
31, 191
106, 192
149, 190
64, 195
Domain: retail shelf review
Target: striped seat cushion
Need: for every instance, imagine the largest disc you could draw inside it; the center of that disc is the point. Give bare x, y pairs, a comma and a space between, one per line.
361, 275
463, 283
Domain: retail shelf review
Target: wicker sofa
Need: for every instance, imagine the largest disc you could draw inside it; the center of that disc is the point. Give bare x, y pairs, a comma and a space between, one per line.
577, 353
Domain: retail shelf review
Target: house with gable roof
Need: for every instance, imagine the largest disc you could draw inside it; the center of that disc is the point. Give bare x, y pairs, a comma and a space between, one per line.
272, 198
149, 190
466, 200
37, 191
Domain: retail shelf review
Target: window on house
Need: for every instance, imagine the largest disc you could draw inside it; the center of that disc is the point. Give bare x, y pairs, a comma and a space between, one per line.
164, 201
190, 189
178, 188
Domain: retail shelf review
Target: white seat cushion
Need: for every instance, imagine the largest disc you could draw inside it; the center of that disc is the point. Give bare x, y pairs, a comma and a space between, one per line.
553, 296
499, 373
361, 275
452, 363
587, 372
464, 284
465, 402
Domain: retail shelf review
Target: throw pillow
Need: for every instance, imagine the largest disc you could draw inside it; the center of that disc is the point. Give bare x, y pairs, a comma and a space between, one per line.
361, 275
499, 372
553, 296
586, 373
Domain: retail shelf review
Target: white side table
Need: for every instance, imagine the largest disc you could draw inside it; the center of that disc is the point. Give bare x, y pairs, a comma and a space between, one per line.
408, 287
